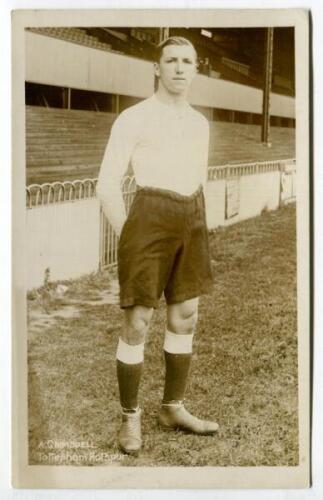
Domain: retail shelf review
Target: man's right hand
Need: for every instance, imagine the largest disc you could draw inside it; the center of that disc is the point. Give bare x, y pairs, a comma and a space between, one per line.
118, 228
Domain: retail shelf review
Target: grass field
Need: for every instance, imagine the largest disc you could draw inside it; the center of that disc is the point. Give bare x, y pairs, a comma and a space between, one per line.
244, 369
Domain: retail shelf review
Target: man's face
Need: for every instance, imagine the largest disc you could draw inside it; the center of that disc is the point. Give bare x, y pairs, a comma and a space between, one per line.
176, 68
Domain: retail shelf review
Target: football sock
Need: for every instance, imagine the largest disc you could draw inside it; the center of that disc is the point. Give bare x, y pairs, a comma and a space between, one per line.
178, 355
129, 367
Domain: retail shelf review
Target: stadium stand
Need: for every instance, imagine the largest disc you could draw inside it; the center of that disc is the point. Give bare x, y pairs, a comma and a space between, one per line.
223, 59
131, 43
64, 144
74, 35
67, 128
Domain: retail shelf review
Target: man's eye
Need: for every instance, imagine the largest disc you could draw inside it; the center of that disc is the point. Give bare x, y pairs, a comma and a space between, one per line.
187, 61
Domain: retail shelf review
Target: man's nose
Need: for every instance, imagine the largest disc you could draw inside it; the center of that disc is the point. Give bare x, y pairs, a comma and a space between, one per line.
179, 67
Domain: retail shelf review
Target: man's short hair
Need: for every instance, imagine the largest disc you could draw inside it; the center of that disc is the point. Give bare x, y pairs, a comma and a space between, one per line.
172, 40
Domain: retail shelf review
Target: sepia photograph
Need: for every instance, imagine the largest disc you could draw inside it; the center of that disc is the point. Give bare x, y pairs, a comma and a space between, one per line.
162, 284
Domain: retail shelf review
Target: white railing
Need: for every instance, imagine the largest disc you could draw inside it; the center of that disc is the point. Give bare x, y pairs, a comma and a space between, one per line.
239, 169
109, 239
59, 192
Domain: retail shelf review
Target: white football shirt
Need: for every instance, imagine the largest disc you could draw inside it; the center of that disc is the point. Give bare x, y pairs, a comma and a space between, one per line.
166, 146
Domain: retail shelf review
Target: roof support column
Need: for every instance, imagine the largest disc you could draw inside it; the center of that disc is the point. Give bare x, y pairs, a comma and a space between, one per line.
163, 34
268, 70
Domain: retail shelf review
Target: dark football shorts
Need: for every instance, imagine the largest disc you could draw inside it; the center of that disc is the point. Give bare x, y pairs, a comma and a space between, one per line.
164, 247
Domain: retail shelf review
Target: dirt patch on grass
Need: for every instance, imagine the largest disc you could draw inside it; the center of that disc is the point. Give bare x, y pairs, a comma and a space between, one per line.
244, 368
38, 320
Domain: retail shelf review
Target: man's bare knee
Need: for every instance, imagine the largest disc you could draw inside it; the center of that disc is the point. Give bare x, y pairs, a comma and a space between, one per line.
183, 324
182, 318
137, 321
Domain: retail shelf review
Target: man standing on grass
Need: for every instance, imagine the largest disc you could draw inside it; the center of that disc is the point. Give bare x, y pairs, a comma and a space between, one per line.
163, 244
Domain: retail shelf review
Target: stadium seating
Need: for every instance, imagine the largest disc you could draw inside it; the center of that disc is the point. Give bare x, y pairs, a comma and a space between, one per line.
74, 35
131, 46
241, 143
66, 144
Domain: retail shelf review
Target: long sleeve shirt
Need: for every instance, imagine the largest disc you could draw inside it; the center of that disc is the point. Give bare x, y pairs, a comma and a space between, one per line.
167, 148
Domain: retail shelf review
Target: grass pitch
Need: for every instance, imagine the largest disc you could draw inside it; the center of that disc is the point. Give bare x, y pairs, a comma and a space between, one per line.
243, 374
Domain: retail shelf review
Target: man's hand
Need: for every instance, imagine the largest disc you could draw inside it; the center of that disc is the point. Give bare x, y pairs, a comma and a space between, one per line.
114, 210
118, 228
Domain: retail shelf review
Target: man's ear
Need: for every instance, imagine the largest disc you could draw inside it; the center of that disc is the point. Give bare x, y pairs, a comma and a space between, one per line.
156, 69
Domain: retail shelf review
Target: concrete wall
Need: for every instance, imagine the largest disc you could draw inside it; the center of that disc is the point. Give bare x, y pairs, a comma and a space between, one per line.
63, 237
255, 193
56, 62
215, 203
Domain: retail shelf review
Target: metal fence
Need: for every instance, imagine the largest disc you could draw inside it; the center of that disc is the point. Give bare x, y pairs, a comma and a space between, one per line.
240, 169
59, 192
62, 192
109, 239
